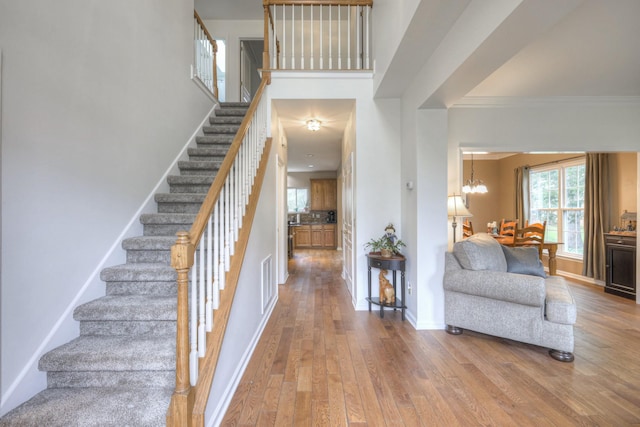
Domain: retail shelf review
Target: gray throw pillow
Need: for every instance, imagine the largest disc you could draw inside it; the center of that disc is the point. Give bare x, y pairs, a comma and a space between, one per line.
523, 260
480, 252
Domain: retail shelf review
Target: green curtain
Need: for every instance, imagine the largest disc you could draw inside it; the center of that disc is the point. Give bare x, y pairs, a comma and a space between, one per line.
522, 194
596, 214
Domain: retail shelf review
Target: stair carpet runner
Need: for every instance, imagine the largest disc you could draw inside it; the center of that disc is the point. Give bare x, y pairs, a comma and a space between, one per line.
120, 371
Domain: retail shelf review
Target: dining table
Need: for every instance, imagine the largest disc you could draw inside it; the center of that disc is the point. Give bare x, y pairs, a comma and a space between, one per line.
550, 247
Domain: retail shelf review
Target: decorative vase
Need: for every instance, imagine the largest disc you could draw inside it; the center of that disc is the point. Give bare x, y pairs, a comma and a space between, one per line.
386, 253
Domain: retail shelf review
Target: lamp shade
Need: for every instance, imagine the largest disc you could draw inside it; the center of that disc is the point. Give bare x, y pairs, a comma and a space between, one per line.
456, 207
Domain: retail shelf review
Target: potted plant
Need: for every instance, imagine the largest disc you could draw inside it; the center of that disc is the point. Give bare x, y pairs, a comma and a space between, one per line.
387, 245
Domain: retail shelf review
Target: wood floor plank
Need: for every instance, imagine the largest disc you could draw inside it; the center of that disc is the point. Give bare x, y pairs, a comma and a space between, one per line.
319, 362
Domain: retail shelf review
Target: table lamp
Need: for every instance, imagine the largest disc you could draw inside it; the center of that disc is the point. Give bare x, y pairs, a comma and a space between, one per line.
456, 209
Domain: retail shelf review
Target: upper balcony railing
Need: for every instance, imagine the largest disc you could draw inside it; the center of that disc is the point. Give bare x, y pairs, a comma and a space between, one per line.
205, 56
317, 34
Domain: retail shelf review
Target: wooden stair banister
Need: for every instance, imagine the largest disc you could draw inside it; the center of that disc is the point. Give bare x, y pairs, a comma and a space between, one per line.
188, 402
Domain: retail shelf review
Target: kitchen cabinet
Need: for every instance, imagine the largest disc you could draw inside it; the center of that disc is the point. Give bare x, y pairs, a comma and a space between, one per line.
317, 236
324, 195
320, 236
302, 236
329, 235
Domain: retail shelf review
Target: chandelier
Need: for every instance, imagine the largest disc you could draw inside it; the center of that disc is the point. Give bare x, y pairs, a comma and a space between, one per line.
474, 185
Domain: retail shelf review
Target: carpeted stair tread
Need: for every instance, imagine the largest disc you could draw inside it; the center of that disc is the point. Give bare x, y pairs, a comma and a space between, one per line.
132, 379
128, 307
218, 139
93, 406
226, 120
180, 198
174, 218
190, 179
230, 129
157, 243
204, 167
234, 104
128, 327
231, 111
112, 353
214, 151
152, 272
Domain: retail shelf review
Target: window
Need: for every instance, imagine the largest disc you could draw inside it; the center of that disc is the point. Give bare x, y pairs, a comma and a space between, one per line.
557, 196
297, 199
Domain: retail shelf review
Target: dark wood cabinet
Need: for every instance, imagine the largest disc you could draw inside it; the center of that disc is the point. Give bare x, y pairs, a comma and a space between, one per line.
621, 265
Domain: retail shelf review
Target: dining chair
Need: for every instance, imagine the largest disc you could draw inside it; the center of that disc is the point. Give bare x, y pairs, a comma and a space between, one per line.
507, 231
467, 229
531, 235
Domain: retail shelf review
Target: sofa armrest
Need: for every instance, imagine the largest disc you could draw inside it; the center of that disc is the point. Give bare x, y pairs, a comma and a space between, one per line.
510, 287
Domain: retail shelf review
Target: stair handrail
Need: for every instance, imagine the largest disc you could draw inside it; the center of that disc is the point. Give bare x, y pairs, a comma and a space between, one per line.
352, 50
230, 201
205, 56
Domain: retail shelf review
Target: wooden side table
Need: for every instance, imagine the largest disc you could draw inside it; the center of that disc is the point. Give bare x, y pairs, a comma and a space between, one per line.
394, 263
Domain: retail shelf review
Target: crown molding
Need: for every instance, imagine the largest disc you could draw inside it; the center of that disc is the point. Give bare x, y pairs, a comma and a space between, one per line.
508, 101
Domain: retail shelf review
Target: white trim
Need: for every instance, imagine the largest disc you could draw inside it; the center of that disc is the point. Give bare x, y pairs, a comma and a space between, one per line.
225, 400
506, 101
580, 278
343, 74
114, 255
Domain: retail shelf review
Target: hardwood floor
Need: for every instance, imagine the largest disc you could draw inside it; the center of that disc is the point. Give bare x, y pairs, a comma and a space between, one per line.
320, 363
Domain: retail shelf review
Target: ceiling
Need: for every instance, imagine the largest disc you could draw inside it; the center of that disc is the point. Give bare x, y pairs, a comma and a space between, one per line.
590, 51
310, 151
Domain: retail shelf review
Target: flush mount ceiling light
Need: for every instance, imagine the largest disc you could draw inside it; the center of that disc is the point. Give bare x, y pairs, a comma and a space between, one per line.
313, 125
474, 185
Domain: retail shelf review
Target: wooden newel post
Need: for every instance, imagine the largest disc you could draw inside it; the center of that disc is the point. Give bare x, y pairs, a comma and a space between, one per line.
265, 54
182, 257
215, 69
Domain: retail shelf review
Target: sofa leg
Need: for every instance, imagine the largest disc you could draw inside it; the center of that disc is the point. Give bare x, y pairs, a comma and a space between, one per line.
453, 330
562, 356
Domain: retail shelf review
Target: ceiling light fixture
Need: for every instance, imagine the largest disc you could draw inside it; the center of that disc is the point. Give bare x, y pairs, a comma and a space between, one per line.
474, 185
313, 124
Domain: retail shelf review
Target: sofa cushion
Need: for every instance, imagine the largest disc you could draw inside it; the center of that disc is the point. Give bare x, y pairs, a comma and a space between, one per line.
559, 304
523, 260
480, 252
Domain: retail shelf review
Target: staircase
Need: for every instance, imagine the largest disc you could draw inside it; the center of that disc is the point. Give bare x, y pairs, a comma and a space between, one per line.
120, 371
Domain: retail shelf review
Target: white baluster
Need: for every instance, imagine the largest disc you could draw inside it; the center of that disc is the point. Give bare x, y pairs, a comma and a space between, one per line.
368, 35
339, 37
202, 345
293, 37
321, 39
227, 224
209, 305
302, 37
312, 49
330, 39
349, 10
284, 37
216, 255
220, 242
193, 330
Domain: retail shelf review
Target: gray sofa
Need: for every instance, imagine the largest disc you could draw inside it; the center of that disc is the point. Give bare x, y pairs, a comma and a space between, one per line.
501, 291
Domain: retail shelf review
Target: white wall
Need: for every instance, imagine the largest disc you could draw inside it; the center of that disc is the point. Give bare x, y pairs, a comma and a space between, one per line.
377, 159
97, 102
247, 320
231, 32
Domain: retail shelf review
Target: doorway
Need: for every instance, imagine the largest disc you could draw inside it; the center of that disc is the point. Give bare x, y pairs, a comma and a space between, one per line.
250, 62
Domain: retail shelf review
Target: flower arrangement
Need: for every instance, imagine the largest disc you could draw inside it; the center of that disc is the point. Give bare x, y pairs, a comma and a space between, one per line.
388, 244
